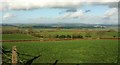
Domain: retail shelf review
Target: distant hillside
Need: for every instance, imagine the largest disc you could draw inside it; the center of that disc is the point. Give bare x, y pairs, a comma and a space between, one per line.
60, 25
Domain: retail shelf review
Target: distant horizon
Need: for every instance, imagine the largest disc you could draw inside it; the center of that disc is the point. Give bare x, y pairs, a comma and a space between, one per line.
59, 23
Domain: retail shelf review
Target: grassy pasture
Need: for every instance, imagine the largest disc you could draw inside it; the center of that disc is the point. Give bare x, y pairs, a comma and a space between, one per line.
17, 37
9, 28
70, 51
83, 32
54, 33
74, 51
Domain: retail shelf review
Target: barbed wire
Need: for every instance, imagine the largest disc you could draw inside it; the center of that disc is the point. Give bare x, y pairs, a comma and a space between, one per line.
7, 55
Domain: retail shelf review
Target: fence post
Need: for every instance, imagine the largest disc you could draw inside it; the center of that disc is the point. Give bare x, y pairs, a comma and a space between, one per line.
14, 55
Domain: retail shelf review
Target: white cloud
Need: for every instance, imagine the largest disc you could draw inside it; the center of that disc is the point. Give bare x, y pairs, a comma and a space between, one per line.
8, 16
76, 14
109, 17
34, 4
111, 13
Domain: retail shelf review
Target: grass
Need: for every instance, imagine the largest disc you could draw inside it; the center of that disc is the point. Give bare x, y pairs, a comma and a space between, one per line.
74, 51
16, 37
79, 32
70, 51
54, 32
27, 36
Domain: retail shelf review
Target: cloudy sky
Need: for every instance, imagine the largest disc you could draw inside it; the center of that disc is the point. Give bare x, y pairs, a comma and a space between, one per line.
59, 11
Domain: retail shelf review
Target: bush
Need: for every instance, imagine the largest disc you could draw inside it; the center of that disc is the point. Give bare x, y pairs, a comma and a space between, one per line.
68, 36
62, 36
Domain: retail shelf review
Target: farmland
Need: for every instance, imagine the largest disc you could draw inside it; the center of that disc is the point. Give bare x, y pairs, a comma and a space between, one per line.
17, 37
52, 33
86, 45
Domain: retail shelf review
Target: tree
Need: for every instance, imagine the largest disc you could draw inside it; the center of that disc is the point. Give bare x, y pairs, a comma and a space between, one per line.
88, 34
57, 36
80, 36
68, 36
114, 36
62, 36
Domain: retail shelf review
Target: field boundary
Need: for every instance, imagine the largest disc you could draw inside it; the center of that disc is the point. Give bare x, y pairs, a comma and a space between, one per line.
57, 40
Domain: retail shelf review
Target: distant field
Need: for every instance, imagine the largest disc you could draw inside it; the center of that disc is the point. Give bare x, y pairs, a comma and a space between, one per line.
93, 33
54, 33
74, 51
17, 37
9, 28
82, 32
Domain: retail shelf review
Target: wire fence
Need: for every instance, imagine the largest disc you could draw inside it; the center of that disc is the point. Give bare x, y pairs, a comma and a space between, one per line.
26, 60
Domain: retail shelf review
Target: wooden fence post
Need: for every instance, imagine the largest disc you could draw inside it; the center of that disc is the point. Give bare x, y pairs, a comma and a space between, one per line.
14, 55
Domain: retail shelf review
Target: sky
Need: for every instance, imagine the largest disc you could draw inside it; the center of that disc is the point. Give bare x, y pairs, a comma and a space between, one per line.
59, 11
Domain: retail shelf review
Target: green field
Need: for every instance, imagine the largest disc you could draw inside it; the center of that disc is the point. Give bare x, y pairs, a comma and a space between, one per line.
17, 37
74, 51
70, 50
54, 33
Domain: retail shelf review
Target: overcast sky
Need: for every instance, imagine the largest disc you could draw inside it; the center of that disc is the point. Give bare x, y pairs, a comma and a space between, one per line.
59, 11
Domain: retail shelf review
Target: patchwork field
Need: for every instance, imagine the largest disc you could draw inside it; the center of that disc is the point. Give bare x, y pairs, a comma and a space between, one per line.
64, 45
